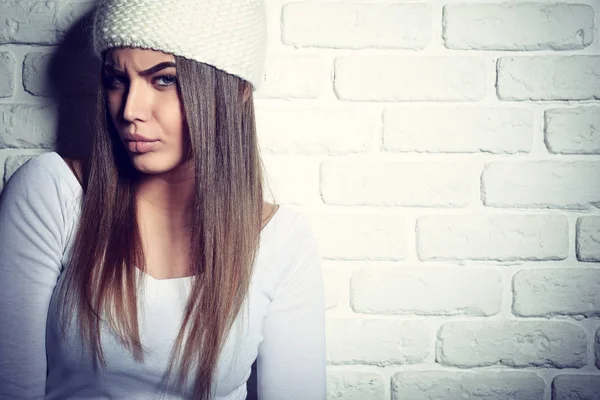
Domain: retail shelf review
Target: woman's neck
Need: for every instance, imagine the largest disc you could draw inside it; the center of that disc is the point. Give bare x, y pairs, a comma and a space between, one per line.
167, 197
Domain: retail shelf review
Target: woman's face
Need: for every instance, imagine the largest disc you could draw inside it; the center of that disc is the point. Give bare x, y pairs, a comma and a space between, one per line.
145, 108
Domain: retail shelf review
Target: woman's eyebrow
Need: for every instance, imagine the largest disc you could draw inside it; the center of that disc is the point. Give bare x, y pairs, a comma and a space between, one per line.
149, 71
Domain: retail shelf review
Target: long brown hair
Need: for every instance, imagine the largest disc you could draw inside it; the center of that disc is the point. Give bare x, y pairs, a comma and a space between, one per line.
227, 209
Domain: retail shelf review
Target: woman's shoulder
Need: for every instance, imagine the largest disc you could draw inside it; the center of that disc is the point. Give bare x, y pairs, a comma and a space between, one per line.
286, 223
42, 194
288, 251
286, 236
44, 172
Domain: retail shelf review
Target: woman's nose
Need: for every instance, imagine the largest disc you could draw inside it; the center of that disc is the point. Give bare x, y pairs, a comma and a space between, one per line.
137, 104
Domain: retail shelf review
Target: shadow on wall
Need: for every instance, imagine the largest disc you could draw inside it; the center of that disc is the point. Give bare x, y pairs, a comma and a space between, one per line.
73, 77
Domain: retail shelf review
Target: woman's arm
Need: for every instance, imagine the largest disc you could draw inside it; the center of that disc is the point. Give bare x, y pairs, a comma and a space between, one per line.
32, 238
291, 358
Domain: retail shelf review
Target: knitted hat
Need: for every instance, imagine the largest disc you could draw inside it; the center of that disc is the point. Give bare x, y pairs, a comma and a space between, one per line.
227, 34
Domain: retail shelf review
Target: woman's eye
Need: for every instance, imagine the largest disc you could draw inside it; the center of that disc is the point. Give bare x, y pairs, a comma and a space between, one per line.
111, 81
165, 80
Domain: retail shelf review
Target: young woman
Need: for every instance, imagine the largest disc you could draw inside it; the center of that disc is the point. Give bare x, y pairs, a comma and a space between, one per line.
154, 269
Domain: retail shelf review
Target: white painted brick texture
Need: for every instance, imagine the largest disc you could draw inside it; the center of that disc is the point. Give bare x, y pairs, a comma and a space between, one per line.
498, 237
361, 236
29, 22
513, 344
316, 130
355, 26
395, 78
573, 130
348, 384
541, 184
527, 26
396, 183
428, 385
426, 291
27, 126
35, 66
567, 387
588, 238
293, 76
7, 74
557, 291
447, 153
573, 77
391, 341
452, 129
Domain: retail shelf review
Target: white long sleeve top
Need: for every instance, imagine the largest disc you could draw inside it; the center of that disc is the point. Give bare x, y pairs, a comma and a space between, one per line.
281, 325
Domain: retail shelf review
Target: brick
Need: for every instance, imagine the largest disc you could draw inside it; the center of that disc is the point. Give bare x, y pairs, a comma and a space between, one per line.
28, 22
504, 385
576, 387
7, 74
557, 291
463, 129
380, 342
292, 76
357, 26
393, 78
521, 344
588, 238
13, 163
346, 384
396, 183
501, 27
427, 291
292, 179
548, 78
500, 237
27, 126
361, 236
541, 184
70, 12
312, 130
573, 130
35, 68
39, 22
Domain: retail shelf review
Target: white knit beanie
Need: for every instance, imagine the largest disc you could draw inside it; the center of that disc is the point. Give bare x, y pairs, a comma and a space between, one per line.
227, 34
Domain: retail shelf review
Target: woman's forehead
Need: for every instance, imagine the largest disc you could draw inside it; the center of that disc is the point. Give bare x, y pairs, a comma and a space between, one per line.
136, 57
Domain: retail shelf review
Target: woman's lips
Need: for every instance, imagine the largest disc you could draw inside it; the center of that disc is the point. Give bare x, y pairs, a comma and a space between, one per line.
141, 146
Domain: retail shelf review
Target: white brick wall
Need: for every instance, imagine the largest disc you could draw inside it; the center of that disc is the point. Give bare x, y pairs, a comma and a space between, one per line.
467, 385
458, 129
548, 77
553, 26
573, 130
404, 78
357, 26
7, 68
448, 155
518, 344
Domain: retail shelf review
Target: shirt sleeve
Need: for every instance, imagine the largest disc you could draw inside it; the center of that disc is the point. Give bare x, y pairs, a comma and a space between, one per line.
291, 357
32, 227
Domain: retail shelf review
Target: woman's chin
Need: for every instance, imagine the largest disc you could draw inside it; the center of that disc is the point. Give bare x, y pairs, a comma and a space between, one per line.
149, 165
153, 164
